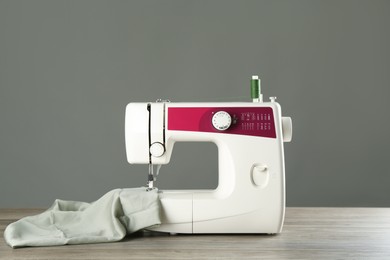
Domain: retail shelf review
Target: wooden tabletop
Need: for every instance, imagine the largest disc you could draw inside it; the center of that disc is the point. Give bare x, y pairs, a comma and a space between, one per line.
308, 233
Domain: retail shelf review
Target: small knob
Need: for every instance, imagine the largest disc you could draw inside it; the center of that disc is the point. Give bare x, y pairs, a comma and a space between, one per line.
157, 149
221, 120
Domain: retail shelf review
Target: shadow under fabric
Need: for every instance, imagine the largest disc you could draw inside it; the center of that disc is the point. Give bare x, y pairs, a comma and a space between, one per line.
117, 213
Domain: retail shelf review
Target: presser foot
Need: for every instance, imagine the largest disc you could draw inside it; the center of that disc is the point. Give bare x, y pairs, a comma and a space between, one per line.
149, 186
149, 189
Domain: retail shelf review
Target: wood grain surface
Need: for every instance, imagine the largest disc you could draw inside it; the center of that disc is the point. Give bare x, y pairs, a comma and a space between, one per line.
308, 233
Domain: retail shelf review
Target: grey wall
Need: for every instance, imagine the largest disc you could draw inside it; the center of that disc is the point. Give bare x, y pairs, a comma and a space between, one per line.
68, 69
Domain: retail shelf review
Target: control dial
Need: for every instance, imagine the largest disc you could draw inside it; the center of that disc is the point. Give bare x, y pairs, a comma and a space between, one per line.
221, 120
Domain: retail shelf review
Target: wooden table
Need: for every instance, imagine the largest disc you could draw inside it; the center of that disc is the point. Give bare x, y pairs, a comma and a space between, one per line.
308, 233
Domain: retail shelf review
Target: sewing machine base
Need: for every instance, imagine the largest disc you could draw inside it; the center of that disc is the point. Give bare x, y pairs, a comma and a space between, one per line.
180, 215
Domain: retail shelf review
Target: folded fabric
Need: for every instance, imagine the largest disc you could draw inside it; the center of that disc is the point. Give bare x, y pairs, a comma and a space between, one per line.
117, 213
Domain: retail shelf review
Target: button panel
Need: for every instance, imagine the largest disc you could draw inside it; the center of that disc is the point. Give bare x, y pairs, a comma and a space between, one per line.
253, 121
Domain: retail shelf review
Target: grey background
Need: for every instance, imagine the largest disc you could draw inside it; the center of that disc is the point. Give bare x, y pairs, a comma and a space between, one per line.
68, 69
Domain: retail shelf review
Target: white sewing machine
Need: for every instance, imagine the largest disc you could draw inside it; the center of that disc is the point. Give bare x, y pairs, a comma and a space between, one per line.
250, 197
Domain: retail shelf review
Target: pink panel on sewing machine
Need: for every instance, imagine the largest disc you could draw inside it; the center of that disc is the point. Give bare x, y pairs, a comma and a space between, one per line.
253, 121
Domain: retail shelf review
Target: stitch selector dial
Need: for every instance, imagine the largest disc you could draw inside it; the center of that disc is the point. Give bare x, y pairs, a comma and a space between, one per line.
221, 120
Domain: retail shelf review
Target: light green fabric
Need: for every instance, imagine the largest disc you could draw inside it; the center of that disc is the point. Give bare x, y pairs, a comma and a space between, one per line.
117, 213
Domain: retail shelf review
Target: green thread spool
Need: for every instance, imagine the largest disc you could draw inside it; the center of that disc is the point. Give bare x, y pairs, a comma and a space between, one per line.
255, 88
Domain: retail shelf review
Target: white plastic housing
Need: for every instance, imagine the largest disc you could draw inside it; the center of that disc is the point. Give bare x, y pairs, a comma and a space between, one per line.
250, 197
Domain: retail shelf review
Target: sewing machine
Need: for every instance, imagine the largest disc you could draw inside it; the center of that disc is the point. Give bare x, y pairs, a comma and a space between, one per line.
250, 197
